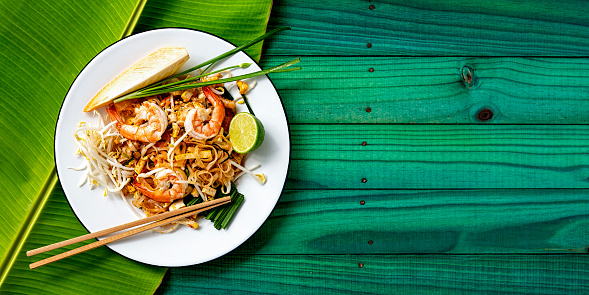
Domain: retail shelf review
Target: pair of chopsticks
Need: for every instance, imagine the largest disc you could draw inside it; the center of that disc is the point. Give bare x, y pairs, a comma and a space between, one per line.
156, 220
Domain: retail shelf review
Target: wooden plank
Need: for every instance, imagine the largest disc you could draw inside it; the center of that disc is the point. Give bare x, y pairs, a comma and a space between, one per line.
430, 27
384, 274
438, 156
423, 221
432, 89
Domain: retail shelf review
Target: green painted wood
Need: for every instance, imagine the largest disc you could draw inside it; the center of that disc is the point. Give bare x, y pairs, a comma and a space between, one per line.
448, 208
450, 176
424, 221
385, 274
331, 156
431, 27
432, 89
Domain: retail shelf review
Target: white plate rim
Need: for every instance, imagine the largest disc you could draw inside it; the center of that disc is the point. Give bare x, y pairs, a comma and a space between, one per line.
277, 198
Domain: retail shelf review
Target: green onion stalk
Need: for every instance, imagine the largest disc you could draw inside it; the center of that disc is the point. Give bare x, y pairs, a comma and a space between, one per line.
159, 88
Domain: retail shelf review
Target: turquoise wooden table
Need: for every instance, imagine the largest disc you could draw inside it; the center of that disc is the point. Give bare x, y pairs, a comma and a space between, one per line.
437, 147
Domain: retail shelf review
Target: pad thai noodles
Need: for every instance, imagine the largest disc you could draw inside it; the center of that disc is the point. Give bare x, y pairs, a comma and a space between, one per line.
163, 152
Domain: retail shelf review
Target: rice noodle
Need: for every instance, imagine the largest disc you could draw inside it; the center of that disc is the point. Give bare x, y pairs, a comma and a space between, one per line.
130, 168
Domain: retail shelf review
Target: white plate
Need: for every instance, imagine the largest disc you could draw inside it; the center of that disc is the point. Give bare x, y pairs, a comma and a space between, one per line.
184, 246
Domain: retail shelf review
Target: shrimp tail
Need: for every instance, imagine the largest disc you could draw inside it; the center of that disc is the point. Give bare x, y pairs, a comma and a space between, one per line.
148, 192
114, 115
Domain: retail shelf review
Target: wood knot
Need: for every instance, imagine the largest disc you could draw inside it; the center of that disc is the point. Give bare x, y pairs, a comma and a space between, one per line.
485, 114
467, 75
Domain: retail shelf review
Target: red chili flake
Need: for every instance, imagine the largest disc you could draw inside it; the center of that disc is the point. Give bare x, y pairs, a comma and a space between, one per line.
364, 143
361, 264
362, 202
369, 45
370, 242
371, 6
364, 180
368, 110
371, 70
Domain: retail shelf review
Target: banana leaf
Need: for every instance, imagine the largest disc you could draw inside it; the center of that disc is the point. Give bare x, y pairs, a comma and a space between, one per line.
236, 21
44, 47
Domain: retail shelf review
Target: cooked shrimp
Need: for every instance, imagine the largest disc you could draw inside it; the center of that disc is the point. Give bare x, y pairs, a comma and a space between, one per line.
154, 117
167, 188
204, 123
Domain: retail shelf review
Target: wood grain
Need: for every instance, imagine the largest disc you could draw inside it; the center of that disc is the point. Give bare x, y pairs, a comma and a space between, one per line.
430, 27
385, 274
519, 90
438, 156
444, 206
425, 221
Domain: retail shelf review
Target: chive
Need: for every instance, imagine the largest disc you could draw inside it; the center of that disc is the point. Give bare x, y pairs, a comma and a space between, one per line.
194, 200
219, 57
212, 213
232, 209
226, 94
148, 92
247, 104
222, 215
231, 52
186, 81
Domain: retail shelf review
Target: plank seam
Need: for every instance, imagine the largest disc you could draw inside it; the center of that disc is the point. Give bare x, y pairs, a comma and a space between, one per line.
420, 254
440, 124
436, 56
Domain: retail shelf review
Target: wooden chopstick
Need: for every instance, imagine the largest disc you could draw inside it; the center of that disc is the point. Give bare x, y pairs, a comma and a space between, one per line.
163, 219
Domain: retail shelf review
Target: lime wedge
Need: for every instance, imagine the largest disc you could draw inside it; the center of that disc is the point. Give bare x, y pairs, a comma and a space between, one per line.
246, 133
